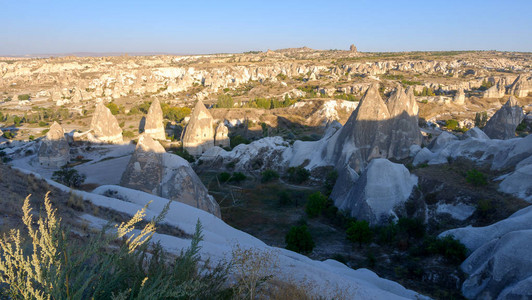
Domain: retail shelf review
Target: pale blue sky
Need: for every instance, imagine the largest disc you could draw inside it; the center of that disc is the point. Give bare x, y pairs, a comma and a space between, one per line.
186, 27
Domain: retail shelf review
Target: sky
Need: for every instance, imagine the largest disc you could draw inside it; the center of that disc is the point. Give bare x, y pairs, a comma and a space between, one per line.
201, 27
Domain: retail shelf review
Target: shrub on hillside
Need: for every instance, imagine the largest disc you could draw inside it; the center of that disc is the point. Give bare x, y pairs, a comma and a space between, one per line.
237, 140
298, 174
298, 239
68, 176
23, 97
225, 101
269, 175
359, 232
315, 204
448, 247
476, 177
113, 108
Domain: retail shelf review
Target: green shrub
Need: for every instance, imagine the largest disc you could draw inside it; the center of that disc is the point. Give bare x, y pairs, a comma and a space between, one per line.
224, 177
113, 108
359, 232
448, 247
298, 174
128, 134
184, 154
42, 124
237, 140
68, 176
477, 178
225, 101
414, 228
284, 198
176, 114
17, 120
269, 175
330, 181
9, 134
23, 97
452, 124
298, 239
107, 266
485, 208
238, 177
315, 204
481, 118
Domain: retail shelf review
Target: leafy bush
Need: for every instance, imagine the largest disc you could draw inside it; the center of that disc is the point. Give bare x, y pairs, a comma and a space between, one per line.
477, 178
224, 177
238, 177
448, 246
330, 181
481, 118
9, 134
269, 175
68, 176
113, 108
59, 266
315, 204
128, 134
452, 124
298, 174
184, 154
237, 140
42, 124
485, 208
414, 228
17, 120
225, 101
359, 232
176, 114
23, 97
298, 239
284, 198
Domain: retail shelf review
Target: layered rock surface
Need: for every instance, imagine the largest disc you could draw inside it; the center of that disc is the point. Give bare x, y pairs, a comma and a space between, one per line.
104, 126
154, 126
199, 133
54, 151
152, 170
381, 188
221, 138
503, 123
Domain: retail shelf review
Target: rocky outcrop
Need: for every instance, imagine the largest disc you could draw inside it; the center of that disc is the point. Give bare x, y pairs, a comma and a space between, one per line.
54, 151
104, 126
376, 129
152, 170
503, 123
199, 133
381, 189
404, 128
221, 139
521, 87
459, 97
500, 267
153, 125
496, 91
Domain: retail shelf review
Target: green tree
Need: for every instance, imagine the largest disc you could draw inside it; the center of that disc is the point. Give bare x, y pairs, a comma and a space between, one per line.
113, 108
481, 118
298, 239
68, 176
298, 174
269, 175
225, 101
315, 204
359, 232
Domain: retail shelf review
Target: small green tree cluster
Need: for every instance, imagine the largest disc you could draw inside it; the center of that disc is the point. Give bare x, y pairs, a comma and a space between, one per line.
115, 110
236, 140
315, 204
23, 97
298, 175
68, 176
481, 118
299, 239
176, 114
476, 177
269, 175
359, 232
225, 101
426, 92
235, 177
